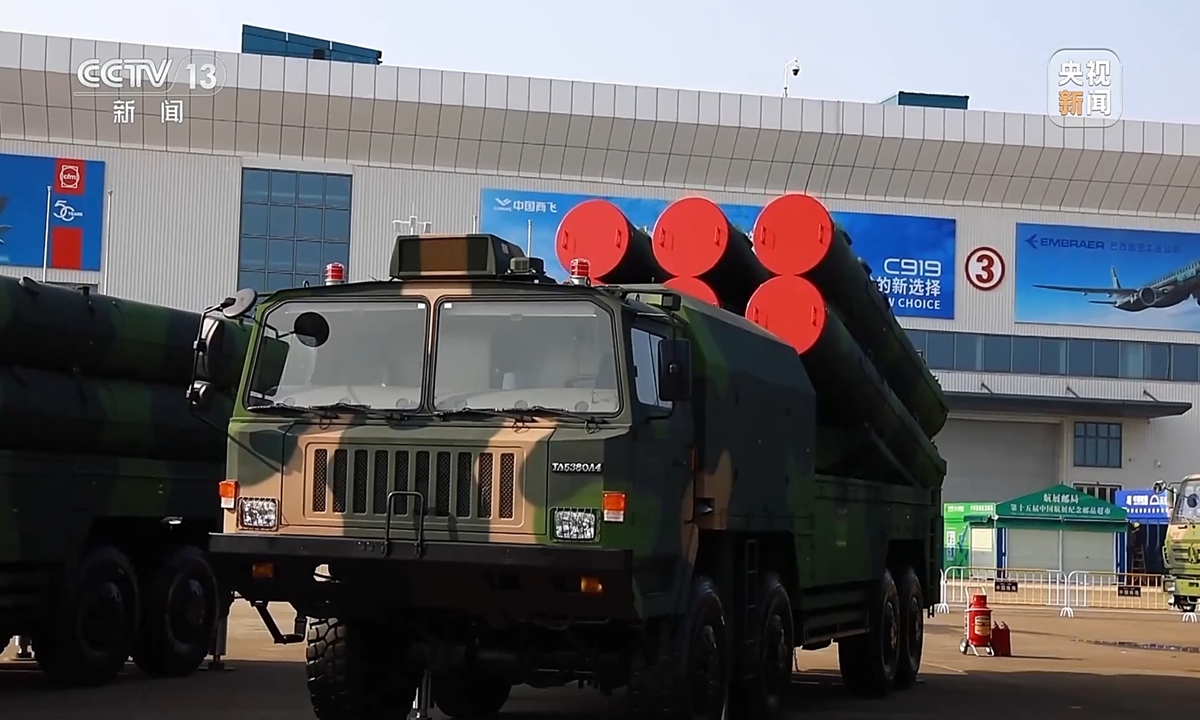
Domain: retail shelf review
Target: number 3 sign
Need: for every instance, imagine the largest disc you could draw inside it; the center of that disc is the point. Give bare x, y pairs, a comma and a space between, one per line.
985, 268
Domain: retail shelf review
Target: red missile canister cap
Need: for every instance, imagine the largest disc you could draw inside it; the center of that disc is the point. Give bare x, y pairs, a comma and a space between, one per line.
792, 234
694, 287
595, 230
690, 237
791, 308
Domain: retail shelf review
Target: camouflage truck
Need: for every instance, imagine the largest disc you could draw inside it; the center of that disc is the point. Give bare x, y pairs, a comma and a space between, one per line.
1181, 547
107, 481
473, 474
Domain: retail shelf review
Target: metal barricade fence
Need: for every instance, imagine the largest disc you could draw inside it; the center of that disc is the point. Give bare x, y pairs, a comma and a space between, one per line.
1005, 586
1116, 591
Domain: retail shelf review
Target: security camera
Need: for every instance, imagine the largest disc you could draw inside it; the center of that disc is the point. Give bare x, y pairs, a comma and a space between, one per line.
794, 67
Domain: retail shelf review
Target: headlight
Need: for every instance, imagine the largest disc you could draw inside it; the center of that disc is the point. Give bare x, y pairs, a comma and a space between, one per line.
574, 525
1169, 584
258, 513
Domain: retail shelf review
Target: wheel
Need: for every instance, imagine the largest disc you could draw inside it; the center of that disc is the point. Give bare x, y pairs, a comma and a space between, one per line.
912, 628
689, 676
761, 692
469, 695
355, 672
179, 615
868, 662
94, 619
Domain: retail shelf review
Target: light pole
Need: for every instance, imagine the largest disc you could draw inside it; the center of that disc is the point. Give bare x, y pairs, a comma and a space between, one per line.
790, 70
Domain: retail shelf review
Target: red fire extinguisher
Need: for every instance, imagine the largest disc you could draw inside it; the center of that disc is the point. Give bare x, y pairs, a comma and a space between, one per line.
977, 632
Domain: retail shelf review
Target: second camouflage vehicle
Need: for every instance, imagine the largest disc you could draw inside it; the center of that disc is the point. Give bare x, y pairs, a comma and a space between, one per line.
475, 471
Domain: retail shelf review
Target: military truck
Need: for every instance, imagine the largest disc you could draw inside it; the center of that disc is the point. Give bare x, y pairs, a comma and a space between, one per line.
1181, 547
108, 480
474, 474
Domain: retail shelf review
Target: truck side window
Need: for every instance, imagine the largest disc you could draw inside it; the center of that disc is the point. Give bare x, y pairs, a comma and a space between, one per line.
645, 368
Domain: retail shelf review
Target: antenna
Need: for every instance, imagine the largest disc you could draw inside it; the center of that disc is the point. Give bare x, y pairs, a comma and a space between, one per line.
529, 239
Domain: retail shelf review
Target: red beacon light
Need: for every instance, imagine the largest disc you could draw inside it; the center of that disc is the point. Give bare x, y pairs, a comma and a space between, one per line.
580, 272
335, 274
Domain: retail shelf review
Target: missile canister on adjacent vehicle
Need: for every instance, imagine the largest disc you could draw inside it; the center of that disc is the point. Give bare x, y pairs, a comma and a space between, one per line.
795, 235
851, 391
59, 413
69, 330
693, 238
618, 252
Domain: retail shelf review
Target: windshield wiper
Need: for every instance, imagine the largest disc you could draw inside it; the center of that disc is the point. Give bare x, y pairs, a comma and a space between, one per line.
380, 413
281, 408
525, 413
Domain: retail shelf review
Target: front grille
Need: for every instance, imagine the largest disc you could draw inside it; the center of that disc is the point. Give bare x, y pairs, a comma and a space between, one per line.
454, 483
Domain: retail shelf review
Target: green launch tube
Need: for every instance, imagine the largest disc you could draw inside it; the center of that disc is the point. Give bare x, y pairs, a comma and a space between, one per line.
795, 235
63, 329
59, 413
851, 392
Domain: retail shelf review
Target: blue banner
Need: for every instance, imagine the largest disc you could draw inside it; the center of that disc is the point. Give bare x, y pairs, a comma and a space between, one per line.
1107, 277
1144, 505
912, 257
69, 226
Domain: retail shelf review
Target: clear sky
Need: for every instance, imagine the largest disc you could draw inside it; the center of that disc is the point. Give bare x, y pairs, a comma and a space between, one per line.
995, 51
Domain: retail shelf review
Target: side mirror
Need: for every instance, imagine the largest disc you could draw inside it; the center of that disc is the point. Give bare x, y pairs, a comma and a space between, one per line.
200, 395
238, 304
675, 370
1159, 486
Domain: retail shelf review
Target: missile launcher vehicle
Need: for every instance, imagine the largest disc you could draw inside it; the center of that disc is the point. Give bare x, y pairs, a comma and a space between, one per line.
471, 476
108, 479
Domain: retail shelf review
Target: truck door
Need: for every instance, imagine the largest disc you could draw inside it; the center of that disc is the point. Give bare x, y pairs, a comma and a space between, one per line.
663, 432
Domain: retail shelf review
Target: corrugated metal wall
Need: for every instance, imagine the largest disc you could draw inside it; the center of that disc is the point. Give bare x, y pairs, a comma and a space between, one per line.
172, 237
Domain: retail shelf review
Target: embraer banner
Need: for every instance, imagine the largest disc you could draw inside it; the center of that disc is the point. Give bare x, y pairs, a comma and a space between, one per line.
1108, 277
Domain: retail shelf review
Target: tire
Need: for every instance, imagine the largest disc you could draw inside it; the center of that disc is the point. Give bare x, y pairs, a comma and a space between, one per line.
470, 695
94, 620
912, 629
762, 692
355, 672
868, 662
702, 653
179, 615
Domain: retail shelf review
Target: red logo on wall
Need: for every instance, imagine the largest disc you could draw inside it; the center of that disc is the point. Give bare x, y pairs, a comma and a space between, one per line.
69, 177
985, 268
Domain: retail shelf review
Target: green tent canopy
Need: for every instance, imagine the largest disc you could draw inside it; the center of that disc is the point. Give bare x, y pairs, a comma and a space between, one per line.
1058, 504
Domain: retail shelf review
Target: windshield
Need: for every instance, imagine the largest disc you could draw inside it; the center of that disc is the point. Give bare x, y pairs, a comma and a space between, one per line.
374, 354
1187, 502
527, 353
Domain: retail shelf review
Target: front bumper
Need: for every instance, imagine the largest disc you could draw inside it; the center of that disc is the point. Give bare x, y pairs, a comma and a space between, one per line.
1182, 586
515, 579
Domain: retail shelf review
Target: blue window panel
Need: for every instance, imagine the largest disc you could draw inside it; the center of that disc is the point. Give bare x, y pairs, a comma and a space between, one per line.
311, 189
253, 254
1184, 363
337, 191
309, 223
283, 221
256, 186
283, 187
253, 280
337, 225
336, 252
308, 258
279, 281
279, 255
312, 280
254, 219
